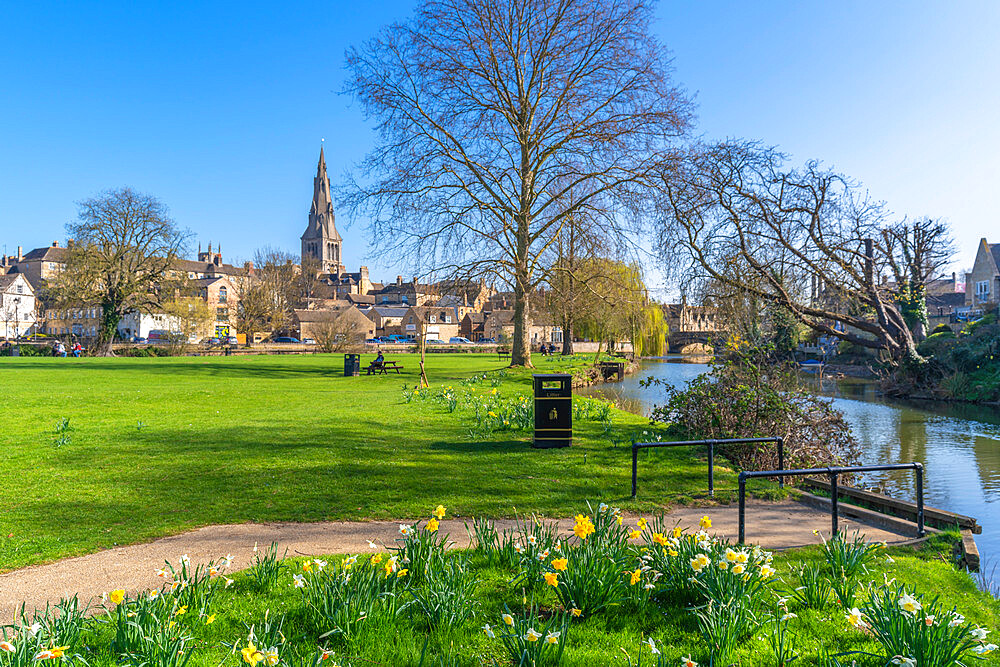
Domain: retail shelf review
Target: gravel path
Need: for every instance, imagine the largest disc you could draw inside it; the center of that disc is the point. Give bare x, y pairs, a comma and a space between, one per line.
773, 525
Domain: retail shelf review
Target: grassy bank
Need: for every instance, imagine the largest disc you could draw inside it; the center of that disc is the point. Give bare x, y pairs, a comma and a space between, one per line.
412, 603
158, 446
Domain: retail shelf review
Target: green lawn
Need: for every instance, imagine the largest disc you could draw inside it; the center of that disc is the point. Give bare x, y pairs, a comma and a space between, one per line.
162, 445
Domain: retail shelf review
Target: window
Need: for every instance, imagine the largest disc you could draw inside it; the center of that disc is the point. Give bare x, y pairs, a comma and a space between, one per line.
982, 288
447, 319
222, 314
223, 295
432, 318
20, 288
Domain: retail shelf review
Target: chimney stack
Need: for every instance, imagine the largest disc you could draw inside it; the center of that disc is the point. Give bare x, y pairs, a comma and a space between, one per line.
19, 255
55, 244
399, 281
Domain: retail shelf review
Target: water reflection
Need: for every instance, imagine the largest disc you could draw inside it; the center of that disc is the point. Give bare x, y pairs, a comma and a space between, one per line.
959, 444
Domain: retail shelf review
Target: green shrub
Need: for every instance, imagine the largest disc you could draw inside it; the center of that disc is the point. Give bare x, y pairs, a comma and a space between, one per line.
942, 329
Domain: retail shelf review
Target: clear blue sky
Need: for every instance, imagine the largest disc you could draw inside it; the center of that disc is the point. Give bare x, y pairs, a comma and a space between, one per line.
219, 108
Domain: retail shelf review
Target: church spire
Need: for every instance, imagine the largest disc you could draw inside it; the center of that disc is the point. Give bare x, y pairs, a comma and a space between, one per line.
321, 240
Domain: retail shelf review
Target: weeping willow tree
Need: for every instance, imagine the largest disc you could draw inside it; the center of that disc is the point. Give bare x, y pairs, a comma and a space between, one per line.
649, 335
615, 306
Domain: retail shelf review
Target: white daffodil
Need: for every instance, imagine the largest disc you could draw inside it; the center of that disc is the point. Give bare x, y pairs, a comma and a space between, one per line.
789, 616
854, 617
903, 661
552, 638
508, 619
909, 604
979, 633
320, 564
956, 620
532, 635
298, 581
185, 560
405, 530
652, 646
372, 545
489, 631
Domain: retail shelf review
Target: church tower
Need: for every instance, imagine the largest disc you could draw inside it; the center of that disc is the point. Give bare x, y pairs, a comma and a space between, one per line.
321, 241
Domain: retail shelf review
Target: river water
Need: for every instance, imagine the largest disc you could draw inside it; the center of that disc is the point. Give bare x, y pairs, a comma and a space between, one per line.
958, 444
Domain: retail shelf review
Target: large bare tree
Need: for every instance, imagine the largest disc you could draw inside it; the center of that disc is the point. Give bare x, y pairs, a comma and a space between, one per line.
121, 249
490, 112
267, 290
804, 240
916, 250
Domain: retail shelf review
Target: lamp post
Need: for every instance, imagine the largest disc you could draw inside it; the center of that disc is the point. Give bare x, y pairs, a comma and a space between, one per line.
17, 328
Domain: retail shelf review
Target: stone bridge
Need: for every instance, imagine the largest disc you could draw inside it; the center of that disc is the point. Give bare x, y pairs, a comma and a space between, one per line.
687, 342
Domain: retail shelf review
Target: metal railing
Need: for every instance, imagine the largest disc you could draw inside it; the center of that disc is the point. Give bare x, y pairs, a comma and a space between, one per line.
636, 446
834, 474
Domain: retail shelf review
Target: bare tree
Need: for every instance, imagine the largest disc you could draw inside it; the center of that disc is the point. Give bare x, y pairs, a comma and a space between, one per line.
490, 112
337, 333
804, 240
916, 252
121, 249
266, 292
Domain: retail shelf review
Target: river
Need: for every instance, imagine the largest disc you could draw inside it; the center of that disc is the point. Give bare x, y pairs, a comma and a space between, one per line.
959, 444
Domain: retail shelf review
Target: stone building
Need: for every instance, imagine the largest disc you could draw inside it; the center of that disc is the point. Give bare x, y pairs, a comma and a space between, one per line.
321, 242
982, 285
441, 323
388, 320
17, 305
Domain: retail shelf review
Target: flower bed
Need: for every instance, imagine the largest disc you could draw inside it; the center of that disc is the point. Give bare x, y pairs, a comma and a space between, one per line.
613, 592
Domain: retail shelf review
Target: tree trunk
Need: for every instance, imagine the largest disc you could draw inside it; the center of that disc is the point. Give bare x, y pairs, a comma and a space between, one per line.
106, 332
520, 354
567, 342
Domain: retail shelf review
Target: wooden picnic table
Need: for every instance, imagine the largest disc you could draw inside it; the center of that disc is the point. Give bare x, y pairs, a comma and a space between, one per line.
384, 368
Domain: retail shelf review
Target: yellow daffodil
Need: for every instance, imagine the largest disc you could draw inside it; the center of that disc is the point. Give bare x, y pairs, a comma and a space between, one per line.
251, 655
210, 619
439, 512
738, 568
576, 612
705, 523
181, 610
560, 564
307, 566
117, 596
672, 552
552, 578
642, 524
676, 532
432, 526
376, 559
659, 539
636, 576
635, 534
508, 619
402, 573
583, 526
619, 520
766, 571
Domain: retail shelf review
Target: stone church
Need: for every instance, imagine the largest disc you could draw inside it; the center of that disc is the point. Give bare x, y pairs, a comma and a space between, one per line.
321, 241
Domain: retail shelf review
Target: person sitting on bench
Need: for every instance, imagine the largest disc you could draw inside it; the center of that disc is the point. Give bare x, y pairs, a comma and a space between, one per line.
377, 364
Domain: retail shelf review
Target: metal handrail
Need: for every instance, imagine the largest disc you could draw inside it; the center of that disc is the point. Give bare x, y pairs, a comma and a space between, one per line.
636, 446
834, 473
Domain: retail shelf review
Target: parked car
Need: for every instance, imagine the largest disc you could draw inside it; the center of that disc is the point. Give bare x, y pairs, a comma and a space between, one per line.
308, 341
213, 341
435, 341
373, 341
396, 338
286, 339
231, 340
459, 340
139, 339
488, 341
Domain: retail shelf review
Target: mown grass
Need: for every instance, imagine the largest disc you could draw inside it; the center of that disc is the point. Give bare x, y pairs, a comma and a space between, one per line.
604, 639
161, 445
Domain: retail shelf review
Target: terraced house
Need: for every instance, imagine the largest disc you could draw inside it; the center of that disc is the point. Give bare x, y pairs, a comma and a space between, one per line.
982, 284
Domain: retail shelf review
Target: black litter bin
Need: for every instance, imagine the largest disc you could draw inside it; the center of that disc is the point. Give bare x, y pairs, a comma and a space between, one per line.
553, 410
352, 365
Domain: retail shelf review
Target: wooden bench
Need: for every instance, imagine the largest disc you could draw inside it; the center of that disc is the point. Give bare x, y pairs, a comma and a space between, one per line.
503, 353
384, 368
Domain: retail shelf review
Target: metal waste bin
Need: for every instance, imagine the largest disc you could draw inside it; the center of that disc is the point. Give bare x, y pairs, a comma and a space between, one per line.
352, 365
553, 410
